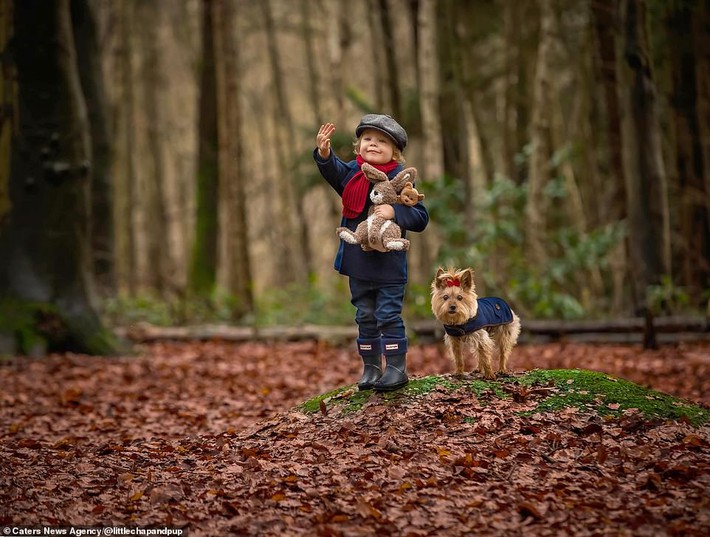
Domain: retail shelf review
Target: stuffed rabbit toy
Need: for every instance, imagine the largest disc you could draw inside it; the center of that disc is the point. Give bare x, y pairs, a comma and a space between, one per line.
376, 233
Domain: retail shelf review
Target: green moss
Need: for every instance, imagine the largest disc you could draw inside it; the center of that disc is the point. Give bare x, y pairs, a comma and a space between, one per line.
35, 328
349, 397
20, 320
608, 395
588, 390
484, 389
424, 385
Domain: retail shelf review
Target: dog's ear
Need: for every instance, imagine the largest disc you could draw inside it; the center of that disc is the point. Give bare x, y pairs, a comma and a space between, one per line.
439, 280
466, 277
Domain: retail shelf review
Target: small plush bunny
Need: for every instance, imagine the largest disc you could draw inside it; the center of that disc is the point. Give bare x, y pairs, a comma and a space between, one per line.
377, 233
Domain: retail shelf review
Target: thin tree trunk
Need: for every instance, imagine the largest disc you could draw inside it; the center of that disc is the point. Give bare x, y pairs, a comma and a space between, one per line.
646, 179
511, 35
540, 141
88, 56
375, 25
561, 140
391, 66
528, 20
294, 263
566, 132
694, 243
607, 28
307, 31
124, 165
613, 198
432, 166
235, 260
203, 264
463, 146
701, 23
160, 266
338, 42
8, 103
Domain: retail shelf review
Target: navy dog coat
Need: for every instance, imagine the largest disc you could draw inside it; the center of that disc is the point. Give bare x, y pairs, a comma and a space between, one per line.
492, 311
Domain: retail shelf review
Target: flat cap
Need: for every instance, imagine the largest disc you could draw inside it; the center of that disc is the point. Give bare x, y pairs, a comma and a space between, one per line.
386, 124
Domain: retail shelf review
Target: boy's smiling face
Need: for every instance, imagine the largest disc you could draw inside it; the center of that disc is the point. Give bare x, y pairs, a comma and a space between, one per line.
375, 147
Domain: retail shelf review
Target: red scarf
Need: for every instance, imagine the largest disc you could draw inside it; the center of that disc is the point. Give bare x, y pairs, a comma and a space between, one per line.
355, 193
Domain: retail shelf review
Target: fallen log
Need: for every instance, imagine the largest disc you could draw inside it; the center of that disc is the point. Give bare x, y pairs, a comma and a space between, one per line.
672, 329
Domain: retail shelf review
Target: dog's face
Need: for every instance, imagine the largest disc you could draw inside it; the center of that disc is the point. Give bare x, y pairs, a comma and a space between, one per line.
453, 296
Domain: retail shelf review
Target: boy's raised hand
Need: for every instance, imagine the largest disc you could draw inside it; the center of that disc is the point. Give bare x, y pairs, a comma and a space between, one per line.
323, 139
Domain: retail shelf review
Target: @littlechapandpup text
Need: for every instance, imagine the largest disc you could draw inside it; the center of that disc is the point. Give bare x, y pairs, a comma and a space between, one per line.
86, 531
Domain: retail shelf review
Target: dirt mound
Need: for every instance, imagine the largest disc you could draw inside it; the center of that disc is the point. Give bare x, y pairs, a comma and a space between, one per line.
471, 458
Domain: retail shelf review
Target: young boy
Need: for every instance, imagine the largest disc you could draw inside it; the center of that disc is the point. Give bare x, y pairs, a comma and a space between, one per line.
377, 279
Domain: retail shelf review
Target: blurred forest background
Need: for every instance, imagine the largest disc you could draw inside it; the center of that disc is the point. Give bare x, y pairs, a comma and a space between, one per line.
156, 157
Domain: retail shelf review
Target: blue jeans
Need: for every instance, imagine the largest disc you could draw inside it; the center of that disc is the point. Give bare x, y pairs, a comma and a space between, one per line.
379, 316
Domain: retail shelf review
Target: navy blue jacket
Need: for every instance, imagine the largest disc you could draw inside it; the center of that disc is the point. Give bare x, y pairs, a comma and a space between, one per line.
351, 260
492, 311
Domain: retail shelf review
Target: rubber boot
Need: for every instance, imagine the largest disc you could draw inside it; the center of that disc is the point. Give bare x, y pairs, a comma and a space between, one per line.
371, 372
395, 376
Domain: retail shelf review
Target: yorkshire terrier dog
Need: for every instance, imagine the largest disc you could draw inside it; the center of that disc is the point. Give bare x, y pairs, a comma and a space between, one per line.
482, 325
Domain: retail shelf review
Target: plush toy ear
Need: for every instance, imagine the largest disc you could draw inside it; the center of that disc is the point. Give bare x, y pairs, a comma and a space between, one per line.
410, 196
406, 175
373, 174
404, 196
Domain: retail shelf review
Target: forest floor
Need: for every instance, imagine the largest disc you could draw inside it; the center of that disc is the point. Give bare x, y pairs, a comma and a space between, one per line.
210, 437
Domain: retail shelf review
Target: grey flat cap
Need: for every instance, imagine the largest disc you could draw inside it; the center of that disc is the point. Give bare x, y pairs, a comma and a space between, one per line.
386, 124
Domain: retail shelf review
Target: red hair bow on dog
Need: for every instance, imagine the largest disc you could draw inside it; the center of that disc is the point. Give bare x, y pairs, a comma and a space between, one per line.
453, 282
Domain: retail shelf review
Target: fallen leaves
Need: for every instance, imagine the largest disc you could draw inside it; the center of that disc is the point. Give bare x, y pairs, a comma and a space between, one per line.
205, 436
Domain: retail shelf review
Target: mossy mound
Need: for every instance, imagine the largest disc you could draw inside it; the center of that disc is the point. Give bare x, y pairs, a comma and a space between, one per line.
545, 390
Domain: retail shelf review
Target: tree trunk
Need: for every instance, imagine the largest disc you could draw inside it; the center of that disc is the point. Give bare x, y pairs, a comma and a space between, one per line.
432, 167
125, 159
613, 198
391, 66
528, 20
307, 30
701, 23
511, 34
432, 156
46, 285
337, 36
694, 244
646, 179
379, 75
8, 103
294, 263
540, 141
232, 209
203, 263
89, 60
460, 132
562, 139
160, 266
